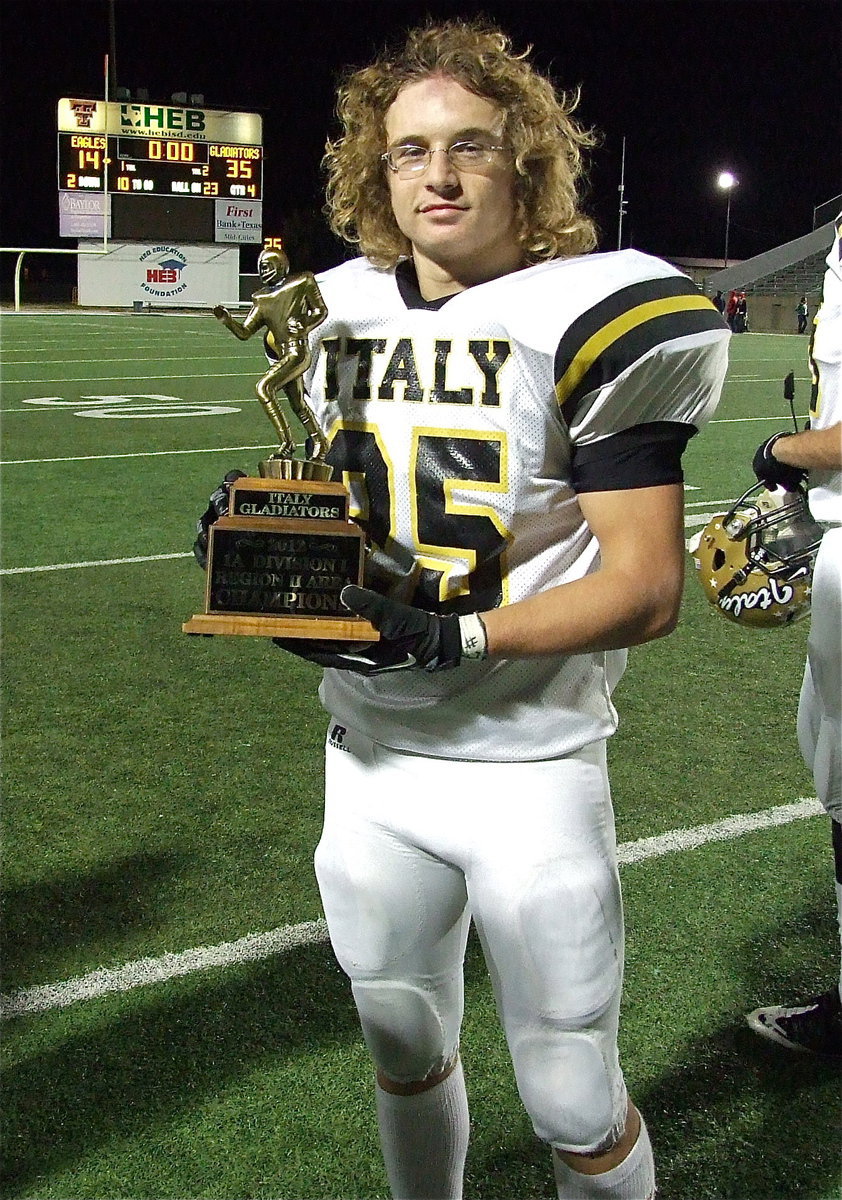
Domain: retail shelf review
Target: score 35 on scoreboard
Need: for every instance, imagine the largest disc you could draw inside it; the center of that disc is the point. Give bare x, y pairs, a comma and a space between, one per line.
159, 150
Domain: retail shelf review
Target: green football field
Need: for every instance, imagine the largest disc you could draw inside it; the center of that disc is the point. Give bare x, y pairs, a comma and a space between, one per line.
174, 1023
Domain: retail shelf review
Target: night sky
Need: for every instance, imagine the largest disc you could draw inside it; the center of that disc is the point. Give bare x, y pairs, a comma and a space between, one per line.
695, 86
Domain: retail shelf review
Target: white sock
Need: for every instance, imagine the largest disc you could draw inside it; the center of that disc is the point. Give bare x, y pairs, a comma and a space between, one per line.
632, 1179
424, 1139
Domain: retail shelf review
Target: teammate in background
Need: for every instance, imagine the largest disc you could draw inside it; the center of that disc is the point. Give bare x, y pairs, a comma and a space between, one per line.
788, 459
509, 413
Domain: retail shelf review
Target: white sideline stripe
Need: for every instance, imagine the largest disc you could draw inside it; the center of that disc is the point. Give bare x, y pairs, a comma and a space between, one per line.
261, 945
157, 970
101, 562
717, 831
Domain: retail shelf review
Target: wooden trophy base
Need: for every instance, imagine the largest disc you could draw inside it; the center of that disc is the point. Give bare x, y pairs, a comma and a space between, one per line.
278, 562
248, 625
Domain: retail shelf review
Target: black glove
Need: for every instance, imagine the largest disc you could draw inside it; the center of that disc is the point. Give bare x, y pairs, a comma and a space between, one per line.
771, 471
217, 507
410, 637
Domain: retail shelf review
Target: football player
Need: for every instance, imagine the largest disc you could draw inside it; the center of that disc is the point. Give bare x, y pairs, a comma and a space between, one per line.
785, 459
509, 414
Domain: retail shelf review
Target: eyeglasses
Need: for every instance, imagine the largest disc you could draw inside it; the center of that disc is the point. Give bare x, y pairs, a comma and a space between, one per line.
410, 160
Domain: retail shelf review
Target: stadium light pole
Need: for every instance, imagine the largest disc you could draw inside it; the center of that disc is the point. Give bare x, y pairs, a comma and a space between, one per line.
727, 182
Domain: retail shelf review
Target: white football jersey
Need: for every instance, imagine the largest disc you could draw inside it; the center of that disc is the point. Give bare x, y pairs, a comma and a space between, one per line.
464, 429
825, 487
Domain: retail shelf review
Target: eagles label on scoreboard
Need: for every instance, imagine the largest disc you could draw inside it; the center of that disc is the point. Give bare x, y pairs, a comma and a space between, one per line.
193, 174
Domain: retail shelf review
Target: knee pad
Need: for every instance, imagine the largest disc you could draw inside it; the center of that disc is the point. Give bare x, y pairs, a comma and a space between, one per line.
575, 1098
410, 1031
571, 967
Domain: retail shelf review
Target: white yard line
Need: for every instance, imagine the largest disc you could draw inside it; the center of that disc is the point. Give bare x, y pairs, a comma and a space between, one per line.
691, 520
118, 358
275, 941
781, 419
22, 462
94, 379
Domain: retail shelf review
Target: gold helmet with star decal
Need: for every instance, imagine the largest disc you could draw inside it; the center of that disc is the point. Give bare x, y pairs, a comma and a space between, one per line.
755, 562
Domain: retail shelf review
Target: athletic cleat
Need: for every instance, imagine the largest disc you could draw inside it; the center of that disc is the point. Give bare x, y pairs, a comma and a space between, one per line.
812, 1028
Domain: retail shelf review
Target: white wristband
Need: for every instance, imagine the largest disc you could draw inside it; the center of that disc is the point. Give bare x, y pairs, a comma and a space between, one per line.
474, 637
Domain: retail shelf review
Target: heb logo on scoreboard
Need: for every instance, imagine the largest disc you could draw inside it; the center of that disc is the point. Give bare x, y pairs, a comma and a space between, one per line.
164, 266
157, 119
160, 121
149, 120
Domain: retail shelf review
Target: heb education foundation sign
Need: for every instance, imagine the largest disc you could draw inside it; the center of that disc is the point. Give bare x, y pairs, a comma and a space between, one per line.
162, 271
160, 274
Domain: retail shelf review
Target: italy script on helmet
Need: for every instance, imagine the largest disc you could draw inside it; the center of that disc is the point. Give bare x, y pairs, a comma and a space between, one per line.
755, 562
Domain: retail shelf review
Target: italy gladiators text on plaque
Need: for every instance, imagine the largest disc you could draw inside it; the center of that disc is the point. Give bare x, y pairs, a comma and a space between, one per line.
279, 558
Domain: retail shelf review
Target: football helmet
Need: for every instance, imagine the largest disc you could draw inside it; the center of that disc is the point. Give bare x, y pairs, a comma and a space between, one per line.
755, 562
272, 267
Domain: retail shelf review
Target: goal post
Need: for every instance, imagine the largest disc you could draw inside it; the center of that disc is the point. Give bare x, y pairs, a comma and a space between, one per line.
22, 251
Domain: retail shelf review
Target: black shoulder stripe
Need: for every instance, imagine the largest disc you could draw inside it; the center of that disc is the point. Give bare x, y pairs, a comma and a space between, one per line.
646, 455
609, 337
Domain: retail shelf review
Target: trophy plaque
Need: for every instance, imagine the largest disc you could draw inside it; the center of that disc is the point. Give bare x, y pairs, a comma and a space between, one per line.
279, 558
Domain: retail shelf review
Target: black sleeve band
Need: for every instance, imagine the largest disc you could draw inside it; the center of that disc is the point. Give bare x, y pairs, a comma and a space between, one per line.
642, 456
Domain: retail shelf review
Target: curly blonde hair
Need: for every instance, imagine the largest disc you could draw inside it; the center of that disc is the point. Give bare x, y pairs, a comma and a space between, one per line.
546, 142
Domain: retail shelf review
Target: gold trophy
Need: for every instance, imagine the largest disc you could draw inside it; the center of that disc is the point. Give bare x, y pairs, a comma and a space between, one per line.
280, 557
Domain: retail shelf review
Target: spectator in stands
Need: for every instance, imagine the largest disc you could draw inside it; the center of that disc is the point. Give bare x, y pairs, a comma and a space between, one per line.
740, 324
731, 309
801, 313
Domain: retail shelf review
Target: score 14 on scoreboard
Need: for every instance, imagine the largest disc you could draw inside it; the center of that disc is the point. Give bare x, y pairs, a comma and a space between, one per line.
159, 150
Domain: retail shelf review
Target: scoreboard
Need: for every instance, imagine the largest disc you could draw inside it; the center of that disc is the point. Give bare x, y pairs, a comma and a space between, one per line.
180, 173
158, 166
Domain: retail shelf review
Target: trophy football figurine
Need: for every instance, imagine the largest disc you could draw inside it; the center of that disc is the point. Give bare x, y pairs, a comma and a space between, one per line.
284, 546
288, 308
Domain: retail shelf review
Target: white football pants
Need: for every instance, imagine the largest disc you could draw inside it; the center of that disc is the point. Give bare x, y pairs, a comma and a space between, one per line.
820, 705
412, 849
